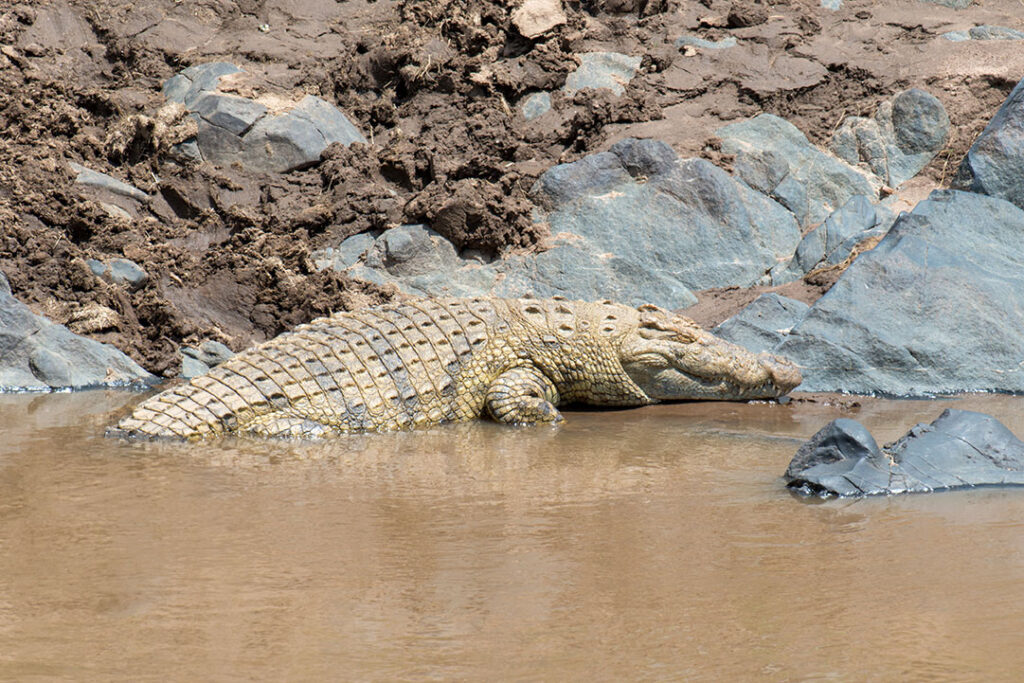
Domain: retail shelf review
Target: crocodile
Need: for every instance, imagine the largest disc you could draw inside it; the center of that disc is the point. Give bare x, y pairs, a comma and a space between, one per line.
426, 362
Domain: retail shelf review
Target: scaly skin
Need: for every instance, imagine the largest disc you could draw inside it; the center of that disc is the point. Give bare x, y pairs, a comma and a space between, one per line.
431, 361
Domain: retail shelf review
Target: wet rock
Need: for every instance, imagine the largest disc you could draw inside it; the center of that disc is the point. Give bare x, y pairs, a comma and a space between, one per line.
119, 271
775, 158
236, 129
899, 140
763, 324
937, 307
39, 355
610, 70
695, 41
959, 449
537, 104
985, 33
994, 165
102, 181
536, 17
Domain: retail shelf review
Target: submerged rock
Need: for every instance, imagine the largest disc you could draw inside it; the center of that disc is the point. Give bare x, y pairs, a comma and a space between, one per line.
994, 165
238, 129
959, 449
899, 140
39, 355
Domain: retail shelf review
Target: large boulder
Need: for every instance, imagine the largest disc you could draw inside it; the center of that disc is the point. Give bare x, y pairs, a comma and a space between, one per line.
899, 140
281, 137
994, 165
775, 158
959, 449
641, 216
763, 324
635, 224
39, 355
936, 307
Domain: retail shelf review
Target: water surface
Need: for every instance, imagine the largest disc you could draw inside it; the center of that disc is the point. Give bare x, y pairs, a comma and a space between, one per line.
656, 543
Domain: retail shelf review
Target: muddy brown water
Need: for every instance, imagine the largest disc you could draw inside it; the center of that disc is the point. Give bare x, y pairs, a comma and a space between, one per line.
654, 544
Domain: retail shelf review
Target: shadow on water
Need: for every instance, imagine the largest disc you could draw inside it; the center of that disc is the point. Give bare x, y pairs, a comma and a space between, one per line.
653, 543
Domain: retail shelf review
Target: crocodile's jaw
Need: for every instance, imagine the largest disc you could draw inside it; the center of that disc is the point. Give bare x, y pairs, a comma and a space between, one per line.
672, 359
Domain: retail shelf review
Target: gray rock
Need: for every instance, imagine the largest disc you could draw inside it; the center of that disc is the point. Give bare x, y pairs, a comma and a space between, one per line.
985, 33
994, 164
899, 140
535, 105
198, 361
422, 262
91, 178
328, 121
191, 84
234, 129
684, 219
959, 449
833, 240
236, 115
192, 367
775, 158
636, 224
833, 5
346, 254
839, 440
694, 41
610, 70
119, 271
39, 355
127, 272
210, 353
278, 144
937, 307
953, 4
763, 324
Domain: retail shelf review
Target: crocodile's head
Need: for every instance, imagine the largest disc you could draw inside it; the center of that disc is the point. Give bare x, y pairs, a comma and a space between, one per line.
671, 358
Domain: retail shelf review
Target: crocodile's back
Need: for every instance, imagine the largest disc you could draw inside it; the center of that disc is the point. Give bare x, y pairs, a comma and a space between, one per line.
393, 367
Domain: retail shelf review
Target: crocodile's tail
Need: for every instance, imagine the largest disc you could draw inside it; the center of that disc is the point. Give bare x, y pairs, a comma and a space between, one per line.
190, 411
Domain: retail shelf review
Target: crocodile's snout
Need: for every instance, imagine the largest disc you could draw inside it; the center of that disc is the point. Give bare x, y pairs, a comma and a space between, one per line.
785, 375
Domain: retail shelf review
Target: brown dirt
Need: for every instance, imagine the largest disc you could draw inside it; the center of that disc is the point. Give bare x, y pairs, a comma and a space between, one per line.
435, 86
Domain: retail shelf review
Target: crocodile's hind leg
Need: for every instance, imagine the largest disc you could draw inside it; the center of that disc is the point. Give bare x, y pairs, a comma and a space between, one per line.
286, 424
523, 396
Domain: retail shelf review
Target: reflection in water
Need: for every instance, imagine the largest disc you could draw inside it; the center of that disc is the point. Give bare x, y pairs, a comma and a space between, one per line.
653, 543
